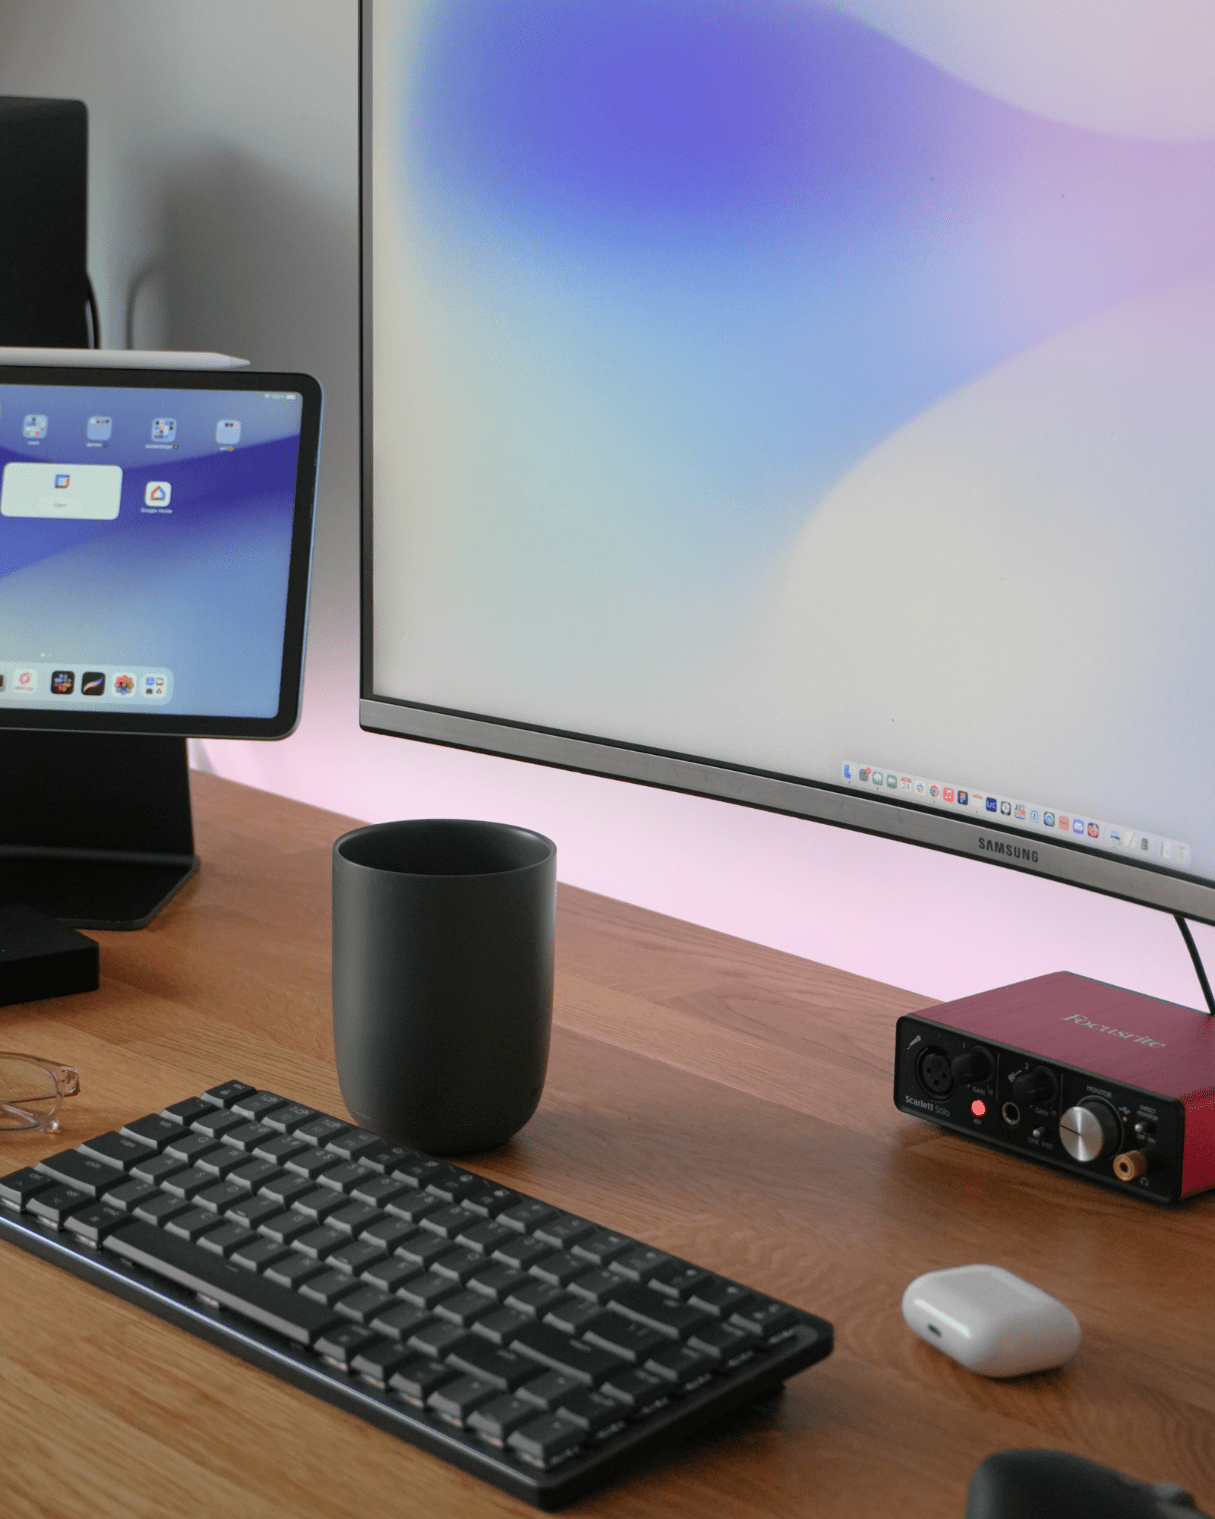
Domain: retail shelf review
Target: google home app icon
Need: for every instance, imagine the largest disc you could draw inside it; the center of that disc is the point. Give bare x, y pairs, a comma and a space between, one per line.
157, 493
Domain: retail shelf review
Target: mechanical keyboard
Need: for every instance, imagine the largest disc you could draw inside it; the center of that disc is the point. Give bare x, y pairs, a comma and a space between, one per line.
523, 1344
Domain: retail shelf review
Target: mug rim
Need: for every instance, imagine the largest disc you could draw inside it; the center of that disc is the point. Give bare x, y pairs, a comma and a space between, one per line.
462, 825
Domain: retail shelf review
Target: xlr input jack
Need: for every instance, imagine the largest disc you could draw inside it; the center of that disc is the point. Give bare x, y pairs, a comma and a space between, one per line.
1011, 1114
1130, 1165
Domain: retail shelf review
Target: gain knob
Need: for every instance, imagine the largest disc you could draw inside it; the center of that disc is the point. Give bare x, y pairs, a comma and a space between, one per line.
1090, 1129
1035, 1086
973, 1067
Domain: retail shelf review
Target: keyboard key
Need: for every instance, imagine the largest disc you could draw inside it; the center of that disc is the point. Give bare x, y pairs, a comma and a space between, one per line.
496, 1420
389, 1275
589, 1363
346, 1176
454, 1401
389, 1156
190, 1147
535, 1298
527, 1215
389, 1232
186, 1112
319, 1203
764, 1317
228, 1092
720, 1297
522, 1253
546, 1440
193, 1222
551, 1389
459, 1264
450, 1220
464, 1308
438, 1339
329, 1287
560, 1268
222, 1161
599, 1286
451, 1184
227, 1239
256, 1174
320, 1243
498, 1280
564, 1231
19, 1186
248, 1136
402, 1321
422, 1248
286, 1227
344, 1343
676, 1320
485, 1236
281, 1148
293, 1270
641, 1392
571, 1314
160, 1209
355, 1255
155, 1131
260, 1255
679, 1280
93, 1223
289, 1117
221, 1196
379, 1360
92, 1177
504, 1369
413, 1207
593, 1412
680, 1364
378, 1190
417, 1379
189, 1182
257, 1104
355, 1217
426, 1290
217, 1123
726, 1343
602, 1246
640, 1263
484, 1198
156, 1168
364, 1303
252, 1210
131, 1194
501, 1325
355, 1143
118, 1150
418, 1169
320, 1131
626, 1337
286, 1188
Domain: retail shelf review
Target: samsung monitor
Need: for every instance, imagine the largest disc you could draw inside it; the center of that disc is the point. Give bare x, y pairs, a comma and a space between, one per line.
155, 545
804, 404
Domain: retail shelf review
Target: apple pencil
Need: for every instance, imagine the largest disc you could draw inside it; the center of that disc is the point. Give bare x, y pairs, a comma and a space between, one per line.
116, 358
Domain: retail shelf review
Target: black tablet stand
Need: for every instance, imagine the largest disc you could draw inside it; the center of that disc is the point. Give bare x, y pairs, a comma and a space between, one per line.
95, 828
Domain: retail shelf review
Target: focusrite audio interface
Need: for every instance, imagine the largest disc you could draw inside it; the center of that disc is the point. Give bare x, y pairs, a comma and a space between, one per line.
1105, 1083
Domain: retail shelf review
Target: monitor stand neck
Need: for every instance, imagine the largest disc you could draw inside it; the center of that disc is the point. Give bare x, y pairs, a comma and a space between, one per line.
95, 828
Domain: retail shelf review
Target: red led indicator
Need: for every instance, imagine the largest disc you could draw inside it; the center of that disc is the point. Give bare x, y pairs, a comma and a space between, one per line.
978, 1107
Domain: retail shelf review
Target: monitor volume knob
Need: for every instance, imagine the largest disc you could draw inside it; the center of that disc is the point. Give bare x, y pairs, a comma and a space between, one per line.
1034, 1086
1090, 1129
974, 1066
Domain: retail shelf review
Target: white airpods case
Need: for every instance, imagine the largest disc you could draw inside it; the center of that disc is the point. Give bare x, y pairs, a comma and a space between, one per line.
990, 1320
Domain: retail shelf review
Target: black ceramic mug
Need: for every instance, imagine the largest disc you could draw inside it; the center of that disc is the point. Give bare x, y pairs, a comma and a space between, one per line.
443, 979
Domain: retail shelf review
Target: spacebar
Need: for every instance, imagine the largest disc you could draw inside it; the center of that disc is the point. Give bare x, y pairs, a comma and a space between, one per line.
188, 1265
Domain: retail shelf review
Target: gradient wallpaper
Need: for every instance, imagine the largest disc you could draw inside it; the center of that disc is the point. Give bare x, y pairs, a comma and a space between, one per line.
785, 383
196, 588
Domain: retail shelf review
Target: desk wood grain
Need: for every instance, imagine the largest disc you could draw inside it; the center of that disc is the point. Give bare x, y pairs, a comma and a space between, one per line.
726, 1102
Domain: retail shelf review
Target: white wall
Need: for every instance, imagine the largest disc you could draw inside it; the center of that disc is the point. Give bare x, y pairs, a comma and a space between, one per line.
224, 216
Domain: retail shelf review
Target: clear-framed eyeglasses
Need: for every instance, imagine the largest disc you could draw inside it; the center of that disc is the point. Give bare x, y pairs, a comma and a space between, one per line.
32, 1091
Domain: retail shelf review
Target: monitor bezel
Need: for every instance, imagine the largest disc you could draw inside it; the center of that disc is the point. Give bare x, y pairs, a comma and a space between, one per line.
1144, 883
295, 629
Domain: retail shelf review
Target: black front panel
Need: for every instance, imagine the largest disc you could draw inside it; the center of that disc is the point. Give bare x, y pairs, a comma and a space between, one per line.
1016, 1100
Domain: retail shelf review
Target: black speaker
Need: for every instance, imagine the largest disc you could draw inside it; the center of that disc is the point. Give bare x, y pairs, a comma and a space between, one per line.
44, 156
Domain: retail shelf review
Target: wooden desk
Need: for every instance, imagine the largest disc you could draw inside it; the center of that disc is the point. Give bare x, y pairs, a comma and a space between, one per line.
726, 1102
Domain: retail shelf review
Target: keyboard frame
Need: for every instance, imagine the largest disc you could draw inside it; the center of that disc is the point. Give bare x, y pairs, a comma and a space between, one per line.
811, 1342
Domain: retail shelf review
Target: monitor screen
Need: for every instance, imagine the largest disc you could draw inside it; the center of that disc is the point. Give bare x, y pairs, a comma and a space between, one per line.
804, 404
154, 540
